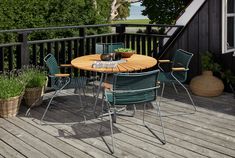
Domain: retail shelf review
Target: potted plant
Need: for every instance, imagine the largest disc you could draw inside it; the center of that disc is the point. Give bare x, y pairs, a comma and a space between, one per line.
207, 84
35, 80
125, 52
11, 91
229, 80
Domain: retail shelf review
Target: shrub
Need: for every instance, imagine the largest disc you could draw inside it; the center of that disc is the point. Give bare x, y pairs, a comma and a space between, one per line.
33, 77
208, 62
10, 86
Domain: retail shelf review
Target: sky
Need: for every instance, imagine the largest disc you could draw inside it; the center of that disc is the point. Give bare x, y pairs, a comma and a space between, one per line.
135, 11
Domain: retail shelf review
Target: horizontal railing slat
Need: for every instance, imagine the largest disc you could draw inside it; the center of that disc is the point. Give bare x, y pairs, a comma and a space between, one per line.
67, 48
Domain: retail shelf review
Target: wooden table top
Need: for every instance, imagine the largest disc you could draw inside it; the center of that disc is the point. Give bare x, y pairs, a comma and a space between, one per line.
134, 63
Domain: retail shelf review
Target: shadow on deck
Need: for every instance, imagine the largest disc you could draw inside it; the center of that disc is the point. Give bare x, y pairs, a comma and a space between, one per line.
210, 132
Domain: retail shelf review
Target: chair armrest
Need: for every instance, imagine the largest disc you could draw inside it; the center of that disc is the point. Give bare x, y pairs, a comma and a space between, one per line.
178, 69
164, 61
62, 75
66, 65
108, 86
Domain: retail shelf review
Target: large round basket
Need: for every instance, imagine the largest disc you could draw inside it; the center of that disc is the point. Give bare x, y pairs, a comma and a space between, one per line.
206, 85
33, 96
10, 107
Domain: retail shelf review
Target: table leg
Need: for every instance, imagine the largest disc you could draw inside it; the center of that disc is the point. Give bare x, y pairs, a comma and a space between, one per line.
102, 78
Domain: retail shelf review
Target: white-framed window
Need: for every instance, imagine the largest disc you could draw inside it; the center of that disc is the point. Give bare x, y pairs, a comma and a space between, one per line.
228, 26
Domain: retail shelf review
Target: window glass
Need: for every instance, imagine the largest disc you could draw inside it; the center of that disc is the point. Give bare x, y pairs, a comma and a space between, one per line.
231, 7
228, 26
230, 32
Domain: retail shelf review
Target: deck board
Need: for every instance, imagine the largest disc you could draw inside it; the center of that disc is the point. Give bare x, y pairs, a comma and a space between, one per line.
210, 132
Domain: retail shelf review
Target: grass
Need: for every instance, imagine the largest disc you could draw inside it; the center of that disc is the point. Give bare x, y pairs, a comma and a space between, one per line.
131, 21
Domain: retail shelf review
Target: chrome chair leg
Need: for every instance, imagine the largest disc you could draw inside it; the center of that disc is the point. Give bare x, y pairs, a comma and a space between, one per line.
48, 105
162, 91
163, 141
111, 128
160, 118
56, 92
124, 109
175, 88
98, 91
190, 97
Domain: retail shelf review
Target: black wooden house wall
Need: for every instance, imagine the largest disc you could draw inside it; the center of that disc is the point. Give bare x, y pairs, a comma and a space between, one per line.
204, 33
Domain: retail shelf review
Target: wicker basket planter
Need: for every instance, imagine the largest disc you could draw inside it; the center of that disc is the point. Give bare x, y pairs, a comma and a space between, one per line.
206, 85
33, 96
10, 107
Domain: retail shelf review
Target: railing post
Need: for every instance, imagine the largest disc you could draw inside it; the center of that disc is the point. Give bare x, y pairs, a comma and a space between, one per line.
121, 29
24, 53
148, 31
160, 44
82, 33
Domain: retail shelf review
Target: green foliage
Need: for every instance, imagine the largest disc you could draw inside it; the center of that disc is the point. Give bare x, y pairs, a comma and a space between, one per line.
228, 76
208, 62
33, 77
19, 14
123, 50
123, 10
131, 21
162, 11
10, 86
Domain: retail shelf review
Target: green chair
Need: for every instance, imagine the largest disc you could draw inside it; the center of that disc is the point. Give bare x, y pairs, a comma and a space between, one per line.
60, 80
179, 67
133, 88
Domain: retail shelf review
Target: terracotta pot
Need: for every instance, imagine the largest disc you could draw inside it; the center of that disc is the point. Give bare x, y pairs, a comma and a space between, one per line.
206, 85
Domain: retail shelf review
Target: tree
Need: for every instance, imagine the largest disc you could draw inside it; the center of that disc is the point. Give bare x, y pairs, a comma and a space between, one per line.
115, 4
123, 10
19, 14
162, 11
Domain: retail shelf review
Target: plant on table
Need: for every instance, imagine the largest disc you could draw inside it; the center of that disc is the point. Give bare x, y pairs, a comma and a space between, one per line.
125, 52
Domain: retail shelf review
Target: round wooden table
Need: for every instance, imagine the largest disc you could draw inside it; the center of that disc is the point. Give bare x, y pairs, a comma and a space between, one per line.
134, 63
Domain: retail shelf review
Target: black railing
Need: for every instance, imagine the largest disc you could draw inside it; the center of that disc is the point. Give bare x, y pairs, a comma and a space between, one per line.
24, 51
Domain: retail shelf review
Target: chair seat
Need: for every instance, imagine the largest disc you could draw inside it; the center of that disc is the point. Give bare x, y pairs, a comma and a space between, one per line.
66, 65
107, 85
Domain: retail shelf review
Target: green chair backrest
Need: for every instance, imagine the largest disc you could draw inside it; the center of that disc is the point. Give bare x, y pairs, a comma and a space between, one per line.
181, 58
114, 46
105, 48
52, 64
133, 88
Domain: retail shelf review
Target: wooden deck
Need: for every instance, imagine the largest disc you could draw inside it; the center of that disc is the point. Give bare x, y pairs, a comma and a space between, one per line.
210, 132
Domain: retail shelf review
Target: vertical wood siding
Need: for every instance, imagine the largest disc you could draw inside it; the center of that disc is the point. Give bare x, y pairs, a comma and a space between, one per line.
204, 33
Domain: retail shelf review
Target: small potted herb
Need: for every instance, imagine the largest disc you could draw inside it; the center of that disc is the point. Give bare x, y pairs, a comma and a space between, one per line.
35, 80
